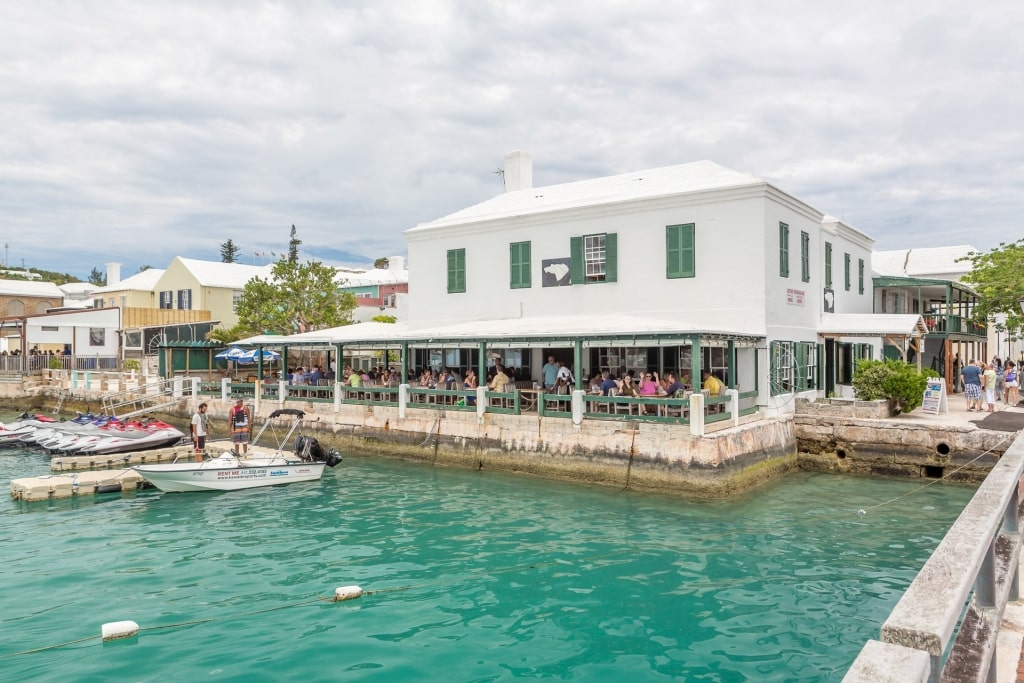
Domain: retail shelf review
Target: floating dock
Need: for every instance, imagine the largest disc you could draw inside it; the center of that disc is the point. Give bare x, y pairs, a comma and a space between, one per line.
78, 484
91, 474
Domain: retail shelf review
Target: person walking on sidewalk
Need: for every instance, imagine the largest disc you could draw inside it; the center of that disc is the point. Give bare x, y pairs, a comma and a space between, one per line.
971, 375
991, 378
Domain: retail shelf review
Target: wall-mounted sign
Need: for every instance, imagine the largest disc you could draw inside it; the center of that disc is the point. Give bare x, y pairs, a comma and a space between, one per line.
830, 301
795, 297
555, 272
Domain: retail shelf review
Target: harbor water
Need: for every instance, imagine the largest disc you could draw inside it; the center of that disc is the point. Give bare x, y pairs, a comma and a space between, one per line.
469, 576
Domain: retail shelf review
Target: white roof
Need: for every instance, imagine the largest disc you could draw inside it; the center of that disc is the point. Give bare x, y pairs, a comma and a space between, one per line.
626, 326
143, 282
698, 176
376, 276
872, 324
226, 275
73, 288
923, 263
30, 288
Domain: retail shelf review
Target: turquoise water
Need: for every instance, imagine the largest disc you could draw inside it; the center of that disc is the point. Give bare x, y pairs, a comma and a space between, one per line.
472, 576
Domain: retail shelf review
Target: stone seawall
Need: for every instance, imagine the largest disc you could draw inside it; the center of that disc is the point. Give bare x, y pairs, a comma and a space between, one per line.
619, 453
867, 446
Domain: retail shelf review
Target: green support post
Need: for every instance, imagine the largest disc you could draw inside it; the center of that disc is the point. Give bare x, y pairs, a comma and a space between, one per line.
577, 360
405, 362
731, 354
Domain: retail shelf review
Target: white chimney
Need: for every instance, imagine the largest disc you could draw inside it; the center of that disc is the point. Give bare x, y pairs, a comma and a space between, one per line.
113, 273
518, 171
396, 263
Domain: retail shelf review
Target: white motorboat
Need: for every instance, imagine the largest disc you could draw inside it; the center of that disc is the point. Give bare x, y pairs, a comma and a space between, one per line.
262, 467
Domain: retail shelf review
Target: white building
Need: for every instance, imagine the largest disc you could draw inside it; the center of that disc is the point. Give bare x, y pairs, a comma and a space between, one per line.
693, 261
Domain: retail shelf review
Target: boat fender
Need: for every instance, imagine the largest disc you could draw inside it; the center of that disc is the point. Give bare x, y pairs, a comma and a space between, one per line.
109, 488
333, 458
347, 593
119, 629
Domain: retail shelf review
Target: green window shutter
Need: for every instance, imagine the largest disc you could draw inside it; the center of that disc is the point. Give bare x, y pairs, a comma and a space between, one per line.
456, 271
611, 257
828, 265
860, 274
783, 250
800, 369
805, 257
519, 265
680, 250
846, 271
673, 251
576, 261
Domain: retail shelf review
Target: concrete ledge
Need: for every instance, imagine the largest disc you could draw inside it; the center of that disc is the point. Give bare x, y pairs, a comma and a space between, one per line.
882, 662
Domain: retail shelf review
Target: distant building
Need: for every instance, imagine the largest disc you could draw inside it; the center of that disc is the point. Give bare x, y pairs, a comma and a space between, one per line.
22, 297
379, 291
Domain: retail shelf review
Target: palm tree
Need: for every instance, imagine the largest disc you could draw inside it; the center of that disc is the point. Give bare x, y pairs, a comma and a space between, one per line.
227, 335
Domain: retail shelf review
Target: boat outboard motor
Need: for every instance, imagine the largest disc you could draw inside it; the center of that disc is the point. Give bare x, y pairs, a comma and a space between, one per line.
308, 447
333, 457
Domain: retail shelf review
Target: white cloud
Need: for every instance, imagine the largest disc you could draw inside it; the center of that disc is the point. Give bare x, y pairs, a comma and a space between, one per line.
138, 131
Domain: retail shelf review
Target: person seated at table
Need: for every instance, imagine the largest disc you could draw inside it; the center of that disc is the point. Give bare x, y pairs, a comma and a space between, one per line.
607, 383
675, 388
500, 379
451, 380
316, 375
712, 384
299, 376
628, 386
593, 384
353, 378
470, 383
649, 384
427, 379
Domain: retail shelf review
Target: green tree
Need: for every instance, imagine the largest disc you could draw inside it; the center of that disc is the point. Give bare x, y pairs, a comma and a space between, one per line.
143, 268
296, 298
97, 277
996, 276
228, 335
293, 248
893, 380
229, 252
381, 263
384, 319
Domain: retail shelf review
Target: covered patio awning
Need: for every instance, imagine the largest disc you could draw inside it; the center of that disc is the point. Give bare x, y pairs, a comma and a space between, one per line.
607, 330
902, 331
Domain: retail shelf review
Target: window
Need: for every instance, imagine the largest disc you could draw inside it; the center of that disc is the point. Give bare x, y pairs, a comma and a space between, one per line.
679, 251
593, 258
846, 272
185, 299
805, 257
860, 275
794, 366
519, 265
235, 296
456, 271
828, 265
783, 250
167, 299
50, 328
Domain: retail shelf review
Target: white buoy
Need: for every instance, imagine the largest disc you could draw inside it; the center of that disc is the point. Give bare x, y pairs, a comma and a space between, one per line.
119, 629
347, 593
862, 512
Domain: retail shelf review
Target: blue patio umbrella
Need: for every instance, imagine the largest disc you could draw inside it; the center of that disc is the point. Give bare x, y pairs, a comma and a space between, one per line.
251, 355
234, 353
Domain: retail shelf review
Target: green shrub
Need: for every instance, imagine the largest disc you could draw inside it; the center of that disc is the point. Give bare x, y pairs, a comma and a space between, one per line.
131, 364
55, 363
895, 381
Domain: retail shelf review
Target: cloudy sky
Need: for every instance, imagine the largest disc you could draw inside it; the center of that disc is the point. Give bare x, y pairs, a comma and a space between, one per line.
136, 131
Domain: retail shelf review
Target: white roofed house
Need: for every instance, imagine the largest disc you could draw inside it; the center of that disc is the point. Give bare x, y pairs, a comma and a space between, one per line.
691, 268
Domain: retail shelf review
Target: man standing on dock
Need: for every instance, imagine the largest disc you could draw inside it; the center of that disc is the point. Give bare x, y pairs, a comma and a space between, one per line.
200, 426
240, 422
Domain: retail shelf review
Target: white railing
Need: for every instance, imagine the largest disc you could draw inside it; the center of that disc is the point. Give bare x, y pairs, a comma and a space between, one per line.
17, 364
974, 567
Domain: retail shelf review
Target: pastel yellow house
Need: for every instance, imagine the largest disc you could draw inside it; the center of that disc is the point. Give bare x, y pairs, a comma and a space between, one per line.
213, 286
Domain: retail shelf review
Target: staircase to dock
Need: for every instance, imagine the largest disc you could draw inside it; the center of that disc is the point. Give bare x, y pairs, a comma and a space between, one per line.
141, 400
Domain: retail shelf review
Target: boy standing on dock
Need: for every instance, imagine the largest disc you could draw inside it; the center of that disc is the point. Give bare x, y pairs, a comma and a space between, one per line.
200, 426
240, 422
